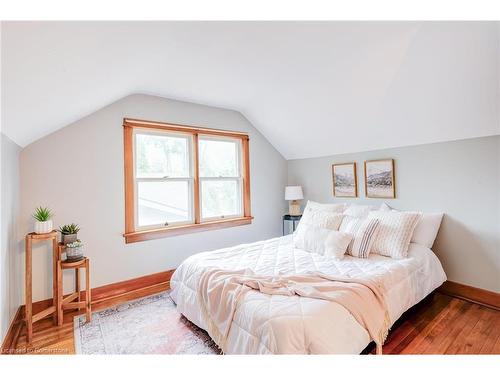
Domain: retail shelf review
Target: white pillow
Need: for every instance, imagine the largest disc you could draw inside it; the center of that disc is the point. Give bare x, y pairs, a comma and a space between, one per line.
315, 227
329, 207
385, 207
395, 232
363, 231
336, 244
321, 241
427, 228
359, 210
426, 231
309, 238
320, 218
350, 224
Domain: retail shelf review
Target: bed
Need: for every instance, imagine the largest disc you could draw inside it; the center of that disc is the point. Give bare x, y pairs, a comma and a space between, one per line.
260, 317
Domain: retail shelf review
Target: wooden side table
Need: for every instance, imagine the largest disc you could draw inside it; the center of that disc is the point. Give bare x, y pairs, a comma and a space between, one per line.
66, 303
29, 317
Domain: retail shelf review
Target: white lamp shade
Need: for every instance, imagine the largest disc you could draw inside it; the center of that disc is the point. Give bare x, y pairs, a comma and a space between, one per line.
293, 193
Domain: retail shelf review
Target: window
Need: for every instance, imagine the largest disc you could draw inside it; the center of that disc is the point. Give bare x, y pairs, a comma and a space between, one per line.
220, 177
164, 179
181, 179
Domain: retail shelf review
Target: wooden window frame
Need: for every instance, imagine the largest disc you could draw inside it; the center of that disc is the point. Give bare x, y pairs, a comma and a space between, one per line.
238, 178
131, 233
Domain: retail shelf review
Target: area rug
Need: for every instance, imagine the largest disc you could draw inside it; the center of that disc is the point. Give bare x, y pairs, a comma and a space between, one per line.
149, 325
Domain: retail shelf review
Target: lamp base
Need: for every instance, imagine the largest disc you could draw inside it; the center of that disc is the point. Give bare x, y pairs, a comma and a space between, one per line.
294, 208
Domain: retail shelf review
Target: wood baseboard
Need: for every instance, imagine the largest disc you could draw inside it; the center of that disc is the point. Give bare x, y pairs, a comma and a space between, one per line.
472, 294
102, 297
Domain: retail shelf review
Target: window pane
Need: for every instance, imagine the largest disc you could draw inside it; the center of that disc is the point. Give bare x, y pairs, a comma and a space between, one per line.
163, 201
218, 158
220, 198
160, 156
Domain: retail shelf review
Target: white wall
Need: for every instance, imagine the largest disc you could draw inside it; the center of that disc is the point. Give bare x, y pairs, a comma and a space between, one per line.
10, 253
78, 172
460, 179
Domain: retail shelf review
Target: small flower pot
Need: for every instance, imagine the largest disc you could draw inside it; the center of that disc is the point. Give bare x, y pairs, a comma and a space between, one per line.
74, 254
68, 238
43, 227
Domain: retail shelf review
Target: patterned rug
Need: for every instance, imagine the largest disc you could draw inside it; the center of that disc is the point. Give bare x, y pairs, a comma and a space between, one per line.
149, 325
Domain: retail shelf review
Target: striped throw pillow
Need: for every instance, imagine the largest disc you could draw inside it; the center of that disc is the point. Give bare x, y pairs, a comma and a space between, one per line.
396, 230
363, 231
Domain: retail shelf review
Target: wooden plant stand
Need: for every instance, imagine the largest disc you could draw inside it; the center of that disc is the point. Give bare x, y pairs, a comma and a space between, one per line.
66, 303
29, 317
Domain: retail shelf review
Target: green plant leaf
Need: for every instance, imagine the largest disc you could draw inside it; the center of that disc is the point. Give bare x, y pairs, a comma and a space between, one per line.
69, 228
42, 214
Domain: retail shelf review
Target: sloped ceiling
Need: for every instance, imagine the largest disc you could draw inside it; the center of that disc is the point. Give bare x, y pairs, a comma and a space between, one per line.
312, 88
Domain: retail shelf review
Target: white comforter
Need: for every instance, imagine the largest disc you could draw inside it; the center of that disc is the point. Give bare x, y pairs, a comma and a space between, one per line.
262, 321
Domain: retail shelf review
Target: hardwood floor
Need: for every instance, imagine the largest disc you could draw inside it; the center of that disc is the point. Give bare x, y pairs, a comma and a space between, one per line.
438, 325
441, 324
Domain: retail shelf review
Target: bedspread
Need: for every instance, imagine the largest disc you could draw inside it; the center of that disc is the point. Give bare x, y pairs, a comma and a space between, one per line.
306, 325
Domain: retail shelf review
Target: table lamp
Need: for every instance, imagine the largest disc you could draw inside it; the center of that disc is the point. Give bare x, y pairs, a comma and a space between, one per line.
293, 194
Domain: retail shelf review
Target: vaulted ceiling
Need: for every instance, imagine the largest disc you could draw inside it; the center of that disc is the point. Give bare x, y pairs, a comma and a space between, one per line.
311, 88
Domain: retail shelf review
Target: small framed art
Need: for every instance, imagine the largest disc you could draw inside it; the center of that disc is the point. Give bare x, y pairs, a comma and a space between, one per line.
345, 182
379, 179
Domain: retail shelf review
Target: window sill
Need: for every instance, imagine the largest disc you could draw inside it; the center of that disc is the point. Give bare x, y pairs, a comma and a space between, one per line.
153, 234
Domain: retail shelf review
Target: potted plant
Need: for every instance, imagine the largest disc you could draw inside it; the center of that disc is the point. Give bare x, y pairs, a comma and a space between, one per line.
43, 223
74, 251
69, 233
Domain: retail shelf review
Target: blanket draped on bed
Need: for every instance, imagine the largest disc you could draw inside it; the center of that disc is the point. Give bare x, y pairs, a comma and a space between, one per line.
221, 291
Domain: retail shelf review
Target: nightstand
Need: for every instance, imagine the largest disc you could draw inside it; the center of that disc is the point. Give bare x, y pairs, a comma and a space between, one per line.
293, 218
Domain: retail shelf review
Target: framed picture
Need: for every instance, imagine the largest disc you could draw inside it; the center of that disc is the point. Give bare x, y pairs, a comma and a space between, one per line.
345, 182
379, 179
